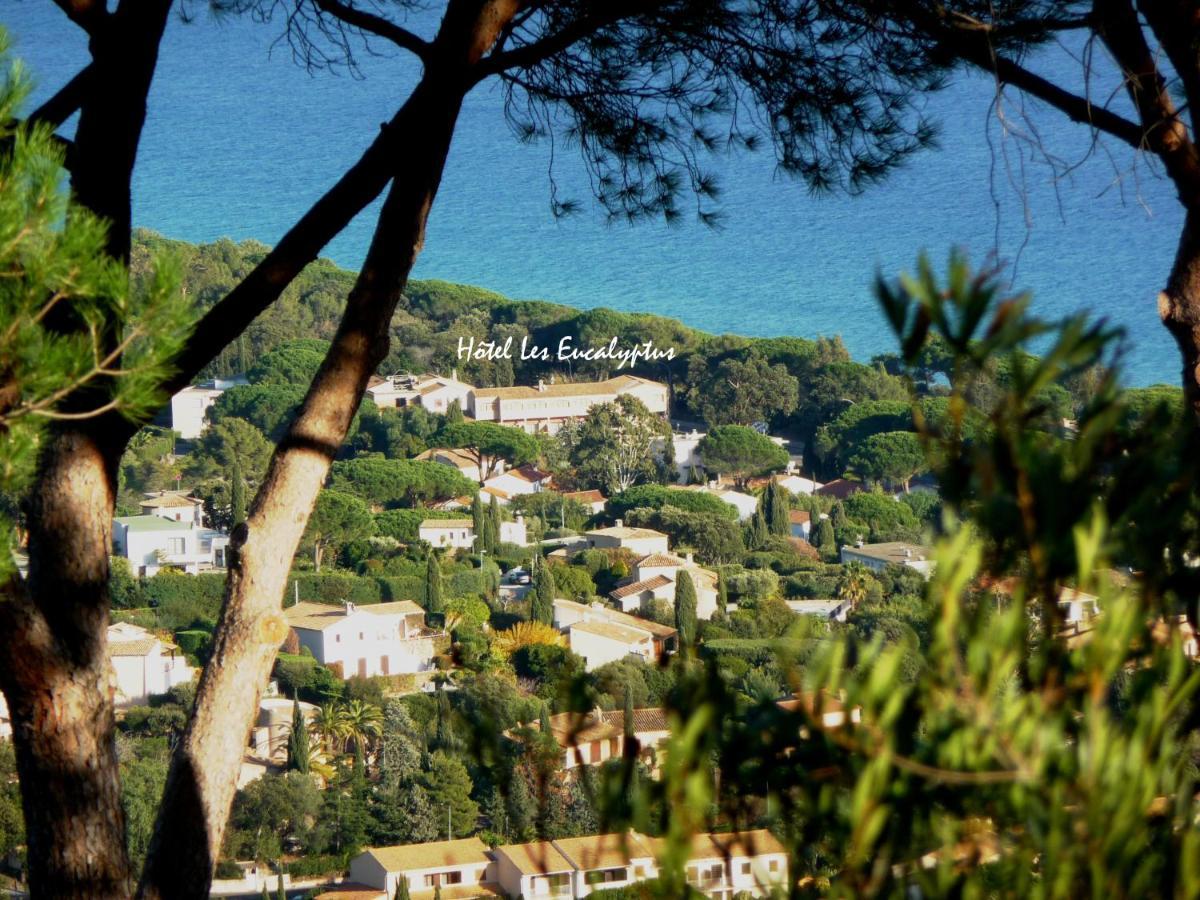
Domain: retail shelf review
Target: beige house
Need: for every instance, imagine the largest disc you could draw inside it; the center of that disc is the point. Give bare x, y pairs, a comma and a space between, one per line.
878, 557
456, 869
721, 866
588, 739
642, 541
432, 392
602, 635
653, 578
372, 639
593, 500
548, 406
175, 506
143, 665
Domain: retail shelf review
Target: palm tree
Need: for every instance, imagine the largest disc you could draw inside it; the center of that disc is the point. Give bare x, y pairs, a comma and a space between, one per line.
852, 586
329, 727
522, 634
361, 722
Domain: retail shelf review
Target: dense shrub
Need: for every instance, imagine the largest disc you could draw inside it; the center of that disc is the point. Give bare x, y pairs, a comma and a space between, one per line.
185, 601
656, 496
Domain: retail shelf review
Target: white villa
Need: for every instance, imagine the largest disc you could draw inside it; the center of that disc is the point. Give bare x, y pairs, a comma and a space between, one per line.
602, 635
593, 500
367, 640
153, 542
719, 866
653, 578
643, 541
188, 407
687, 453
514, 482
432, 392
459, 534
800, 523
144, 665
745, 504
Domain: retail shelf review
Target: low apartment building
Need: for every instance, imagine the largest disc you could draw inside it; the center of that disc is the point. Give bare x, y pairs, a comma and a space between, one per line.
589, 739
175, 506
720, 866
455, 869
190, 406
372, 639
548, 406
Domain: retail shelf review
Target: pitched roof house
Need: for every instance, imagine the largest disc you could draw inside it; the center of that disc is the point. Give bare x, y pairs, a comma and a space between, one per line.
455, 869
459, 534
654, 577
602, 635
588, 739
144, 664
643, 541
175, 506
432, 392
372, 639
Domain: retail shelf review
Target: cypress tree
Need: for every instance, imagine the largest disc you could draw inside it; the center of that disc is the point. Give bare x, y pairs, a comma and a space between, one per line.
479, 524
838, 516
629, 729
434, 598
237, 495
722, 596
757, 533
520, 810
493, 526
266, 894
778, 521
685, 609
443, 735
280, 893
401, 889
297, 745
823, 537
544, 721
454, 413
541, 608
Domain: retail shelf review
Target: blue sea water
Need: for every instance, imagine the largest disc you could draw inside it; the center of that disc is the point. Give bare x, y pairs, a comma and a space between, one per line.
240, 141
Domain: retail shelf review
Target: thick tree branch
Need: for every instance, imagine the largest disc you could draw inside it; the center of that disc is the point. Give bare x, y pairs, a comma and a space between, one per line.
527, 55
1166, 135
376, 25
90, 15
66, 102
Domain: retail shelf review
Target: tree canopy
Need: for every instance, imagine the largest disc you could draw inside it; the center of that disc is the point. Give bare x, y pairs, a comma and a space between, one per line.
740, 452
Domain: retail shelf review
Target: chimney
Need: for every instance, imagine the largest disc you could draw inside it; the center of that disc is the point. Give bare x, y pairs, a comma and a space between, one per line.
349, 606
907, 553
859, 543
687, 557
520, 518
598, 715
620, 523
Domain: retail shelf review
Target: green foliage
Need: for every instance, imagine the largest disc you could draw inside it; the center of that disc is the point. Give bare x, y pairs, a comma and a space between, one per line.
715, 539
490, 443
404, 524
449, 786
656, 496
612, 448
399, 482
886, 519
434, 588
268, 407
573, 582
541, 607
291, 363
75, 337
337, 519
836, 442
297, 745
742, 390
685, 609
893, 458
228, 442
740, 452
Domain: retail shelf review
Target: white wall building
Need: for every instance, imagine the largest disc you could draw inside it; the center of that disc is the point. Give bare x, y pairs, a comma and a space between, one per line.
444, 865
601, 634
153, 542
144, 665
432, 392
654, 577
176, 506
459, 534
368, 640
189, 406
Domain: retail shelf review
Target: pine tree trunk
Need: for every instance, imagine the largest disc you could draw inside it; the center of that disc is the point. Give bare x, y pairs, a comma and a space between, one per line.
203, 775
1179, 308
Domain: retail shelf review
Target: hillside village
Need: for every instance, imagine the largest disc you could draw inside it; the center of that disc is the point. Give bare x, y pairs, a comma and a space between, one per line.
498, 590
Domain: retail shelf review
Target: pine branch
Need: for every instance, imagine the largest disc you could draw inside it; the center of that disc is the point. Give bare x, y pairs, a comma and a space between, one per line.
376, 25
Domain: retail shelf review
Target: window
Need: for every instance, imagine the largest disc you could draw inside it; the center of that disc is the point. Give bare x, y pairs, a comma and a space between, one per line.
337, 639
746, 868
452, 878
773, 865
175, 545
429, 881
